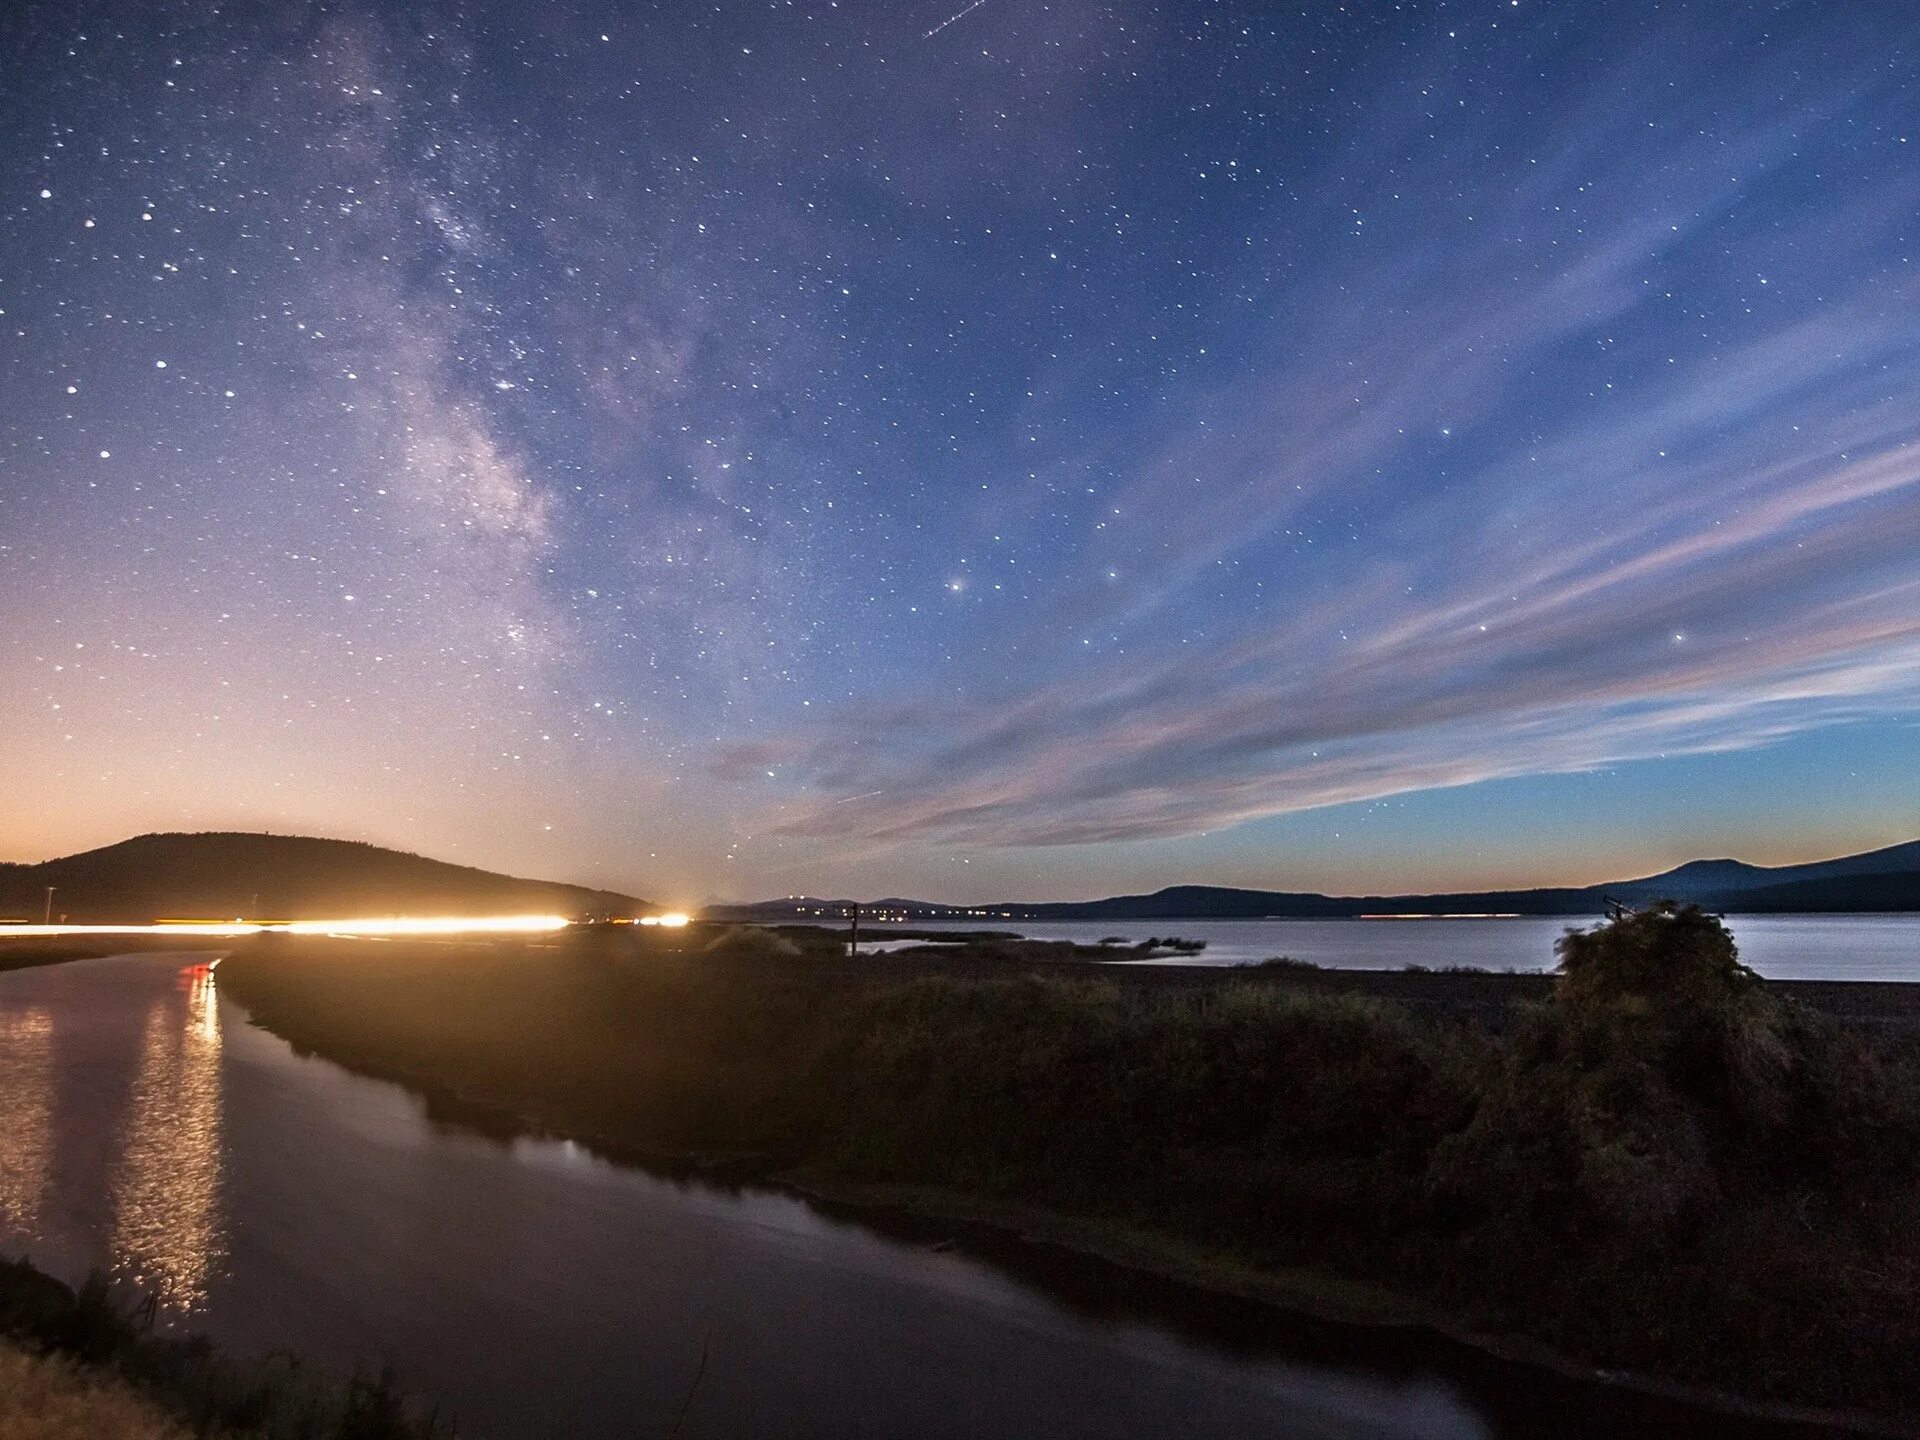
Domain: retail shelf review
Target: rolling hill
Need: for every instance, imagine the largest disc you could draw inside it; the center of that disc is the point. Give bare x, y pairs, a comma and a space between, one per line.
283, 877
1724, 879
1875, 880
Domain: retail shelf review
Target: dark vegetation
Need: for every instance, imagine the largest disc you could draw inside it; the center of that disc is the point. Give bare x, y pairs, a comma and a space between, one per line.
1658, 1162
1159, 945
187, 1379
998, 946
282, 877
931, 937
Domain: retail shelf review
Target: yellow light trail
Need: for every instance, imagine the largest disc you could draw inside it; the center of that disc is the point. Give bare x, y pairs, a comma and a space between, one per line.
498, 925
233, 929
1448, 915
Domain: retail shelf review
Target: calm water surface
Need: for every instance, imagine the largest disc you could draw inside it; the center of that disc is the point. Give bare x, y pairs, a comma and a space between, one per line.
1783, 947
280, 1202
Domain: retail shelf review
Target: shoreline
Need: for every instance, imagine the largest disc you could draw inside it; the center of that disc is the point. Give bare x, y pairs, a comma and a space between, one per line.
1316, 1295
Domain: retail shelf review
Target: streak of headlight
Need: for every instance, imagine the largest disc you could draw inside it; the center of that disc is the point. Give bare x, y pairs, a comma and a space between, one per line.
225, 929
41, 932
451, 925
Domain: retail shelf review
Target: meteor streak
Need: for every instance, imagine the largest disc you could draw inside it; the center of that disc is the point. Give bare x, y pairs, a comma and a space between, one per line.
957, 15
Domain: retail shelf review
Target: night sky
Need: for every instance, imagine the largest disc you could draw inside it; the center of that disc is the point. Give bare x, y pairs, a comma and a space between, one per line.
1043, 450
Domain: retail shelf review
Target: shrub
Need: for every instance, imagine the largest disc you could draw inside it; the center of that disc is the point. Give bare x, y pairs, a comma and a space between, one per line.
1663, 1103
1666, 956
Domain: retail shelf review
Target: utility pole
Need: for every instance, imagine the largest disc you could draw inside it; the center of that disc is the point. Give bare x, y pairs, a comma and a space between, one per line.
47, 919
853, 936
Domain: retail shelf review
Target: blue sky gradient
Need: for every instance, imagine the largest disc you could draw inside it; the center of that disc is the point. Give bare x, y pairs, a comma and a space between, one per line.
743, 450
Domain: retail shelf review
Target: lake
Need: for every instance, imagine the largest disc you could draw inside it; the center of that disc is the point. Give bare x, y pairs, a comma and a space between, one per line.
279, 1202
1781, 947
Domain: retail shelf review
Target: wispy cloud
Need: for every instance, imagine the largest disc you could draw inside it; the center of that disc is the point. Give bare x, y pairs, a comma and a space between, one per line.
1497, 531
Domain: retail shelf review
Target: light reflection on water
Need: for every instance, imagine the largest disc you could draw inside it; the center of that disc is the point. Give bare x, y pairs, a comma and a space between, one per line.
26, 1116
167, 1223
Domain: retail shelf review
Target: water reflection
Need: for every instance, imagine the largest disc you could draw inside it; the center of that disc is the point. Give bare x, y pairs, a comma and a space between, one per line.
167, 1225
26, 1116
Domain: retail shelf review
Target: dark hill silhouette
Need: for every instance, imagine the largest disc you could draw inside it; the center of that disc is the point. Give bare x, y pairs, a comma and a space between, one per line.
1896, 892
1700, 879
1883, 880
1221, 903
295, 877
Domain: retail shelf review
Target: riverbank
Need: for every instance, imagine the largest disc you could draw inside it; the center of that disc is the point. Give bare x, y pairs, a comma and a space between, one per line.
1318, 1293
22, 954
1247, 1120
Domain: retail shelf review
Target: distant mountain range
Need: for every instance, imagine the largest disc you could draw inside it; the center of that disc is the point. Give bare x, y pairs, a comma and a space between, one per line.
292, 877
1884, 880
221, 875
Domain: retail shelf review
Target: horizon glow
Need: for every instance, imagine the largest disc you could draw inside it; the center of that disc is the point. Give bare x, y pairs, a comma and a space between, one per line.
1011, 452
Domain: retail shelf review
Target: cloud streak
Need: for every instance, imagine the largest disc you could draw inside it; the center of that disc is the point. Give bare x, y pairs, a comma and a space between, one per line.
1497, 530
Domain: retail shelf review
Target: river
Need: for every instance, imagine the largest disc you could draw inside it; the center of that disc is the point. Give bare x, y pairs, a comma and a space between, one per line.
1780, 947
278, 1202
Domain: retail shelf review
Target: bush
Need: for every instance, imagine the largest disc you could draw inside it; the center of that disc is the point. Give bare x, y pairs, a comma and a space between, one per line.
1661, 1104
1666, 956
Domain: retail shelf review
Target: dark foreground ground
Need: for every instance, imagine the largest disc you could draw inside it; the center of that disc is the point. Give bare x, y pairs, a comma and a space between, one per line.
1660, 1164
87, 1365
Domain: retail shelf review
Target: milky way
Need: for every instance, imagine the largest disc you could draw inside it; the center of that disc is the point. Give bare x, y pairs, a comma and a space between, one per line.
730, 450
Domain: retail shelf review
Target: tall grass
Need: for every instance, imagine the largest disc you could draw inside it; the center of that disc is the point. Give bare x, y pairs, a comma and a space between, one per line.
45, 1398
170, 1383
1250, 1110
